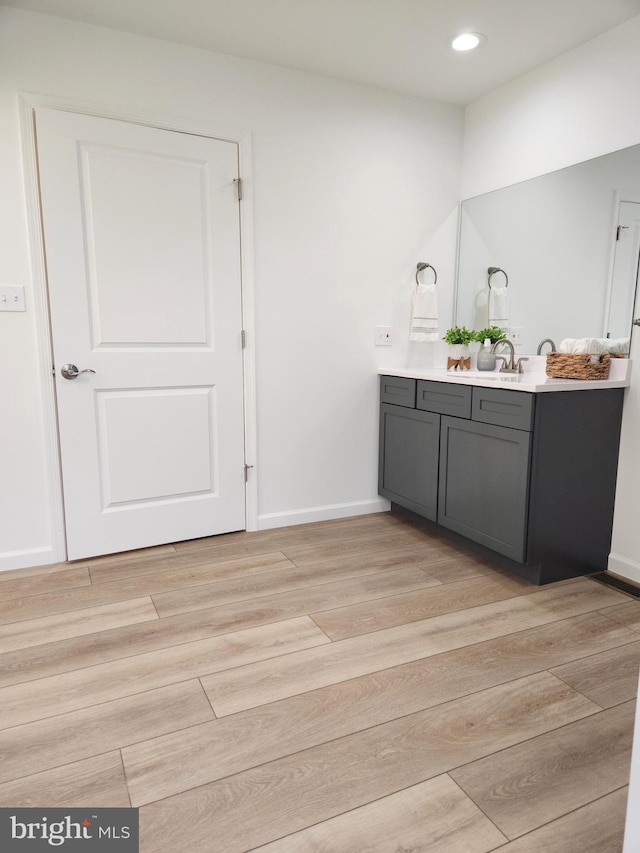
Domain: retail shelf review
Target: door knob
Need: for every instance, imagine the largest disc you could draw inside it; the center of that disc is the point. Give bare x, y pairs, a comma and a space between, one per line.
70, 371
636, 322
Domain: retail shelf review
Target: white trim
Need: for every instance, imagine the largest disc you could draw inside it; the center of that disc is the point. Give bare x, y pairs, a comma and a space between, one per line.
27, 558
164, 122
28, 103
249, 325
619, 197
58, 551
322, 513
624, 568
456, 271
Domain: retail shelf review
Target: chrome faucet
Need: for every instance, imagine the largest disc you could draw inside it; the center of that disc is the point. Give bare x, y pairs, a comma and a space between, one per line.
509, 365
546, 341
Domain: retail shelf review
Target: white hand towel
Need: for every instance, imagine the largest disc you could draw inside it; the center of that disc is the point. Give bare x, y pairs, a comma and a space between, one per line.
498, 307
581, 345
424, 314
619, 346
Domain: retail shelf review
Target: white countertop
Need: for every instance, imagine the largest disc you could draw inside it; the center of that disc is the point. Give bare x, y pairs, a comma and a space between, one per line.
534, 378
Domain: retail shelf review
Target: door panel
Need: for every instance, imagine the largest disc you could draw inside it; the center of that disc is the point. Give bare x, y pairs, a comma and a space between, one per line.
408, 466
143, 259
148, 229
483, 485
142, 425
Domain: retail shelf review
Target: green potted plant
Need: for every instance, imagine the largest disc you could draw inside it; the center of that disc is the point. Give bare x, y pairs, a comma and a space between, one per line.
458, 338
494, 333
459, 335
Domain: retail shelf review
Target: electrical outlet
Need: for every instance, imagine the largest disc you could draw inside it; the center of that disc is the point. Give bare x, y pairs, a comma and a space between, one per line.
383, 336
515, 335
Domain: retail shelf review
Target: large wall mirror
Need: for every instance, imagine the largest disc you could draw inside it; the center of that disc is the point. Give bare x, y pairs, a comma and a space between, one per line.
555, 237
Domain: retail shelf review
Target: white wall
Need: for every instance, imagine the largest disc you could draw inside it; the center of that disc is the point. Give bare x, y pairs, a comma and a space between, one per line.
581, 105
352, 187
577, 107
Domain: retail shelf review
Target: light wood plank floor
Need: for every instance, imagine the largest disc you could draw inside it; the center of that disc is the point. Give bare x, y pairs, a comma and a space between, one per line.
355, 686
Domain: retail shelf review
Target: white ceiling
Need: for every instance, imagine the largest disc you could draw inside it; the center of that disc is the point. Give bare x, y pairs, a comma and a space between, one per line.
395, 44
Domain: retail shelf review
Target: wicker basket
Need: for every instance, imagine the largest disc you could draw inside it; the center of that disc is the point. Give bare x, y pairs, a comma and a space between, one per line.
565, 365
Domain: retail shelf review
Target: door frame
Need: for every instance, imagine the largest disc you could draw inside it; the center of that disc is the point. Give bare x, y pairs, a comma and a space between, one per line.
28, 103
619, 197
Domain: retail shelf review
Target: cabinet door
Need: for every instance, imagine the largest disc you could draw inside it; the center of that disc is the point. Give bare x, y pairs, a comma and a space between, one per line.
408, 465
484, 480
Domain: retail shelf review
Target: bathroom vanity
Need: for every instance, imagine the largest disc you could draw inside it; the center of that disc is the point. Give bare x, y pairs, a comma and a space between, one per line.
522, 466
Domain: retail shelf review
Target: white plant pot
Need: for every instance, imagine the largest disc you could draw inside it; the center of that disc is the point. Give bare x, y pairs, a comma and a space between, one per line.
458, 351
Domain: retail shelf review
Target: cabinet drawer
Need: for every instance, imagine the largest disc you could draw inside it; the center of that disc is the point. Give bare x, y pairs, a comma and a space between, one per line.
503, 408
445, 398
398, 391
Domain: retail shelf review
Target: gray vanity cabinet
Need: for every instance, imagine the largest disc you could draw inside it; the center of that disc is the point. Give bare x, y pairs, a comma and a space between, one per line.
528, 477
483, 484
409, 458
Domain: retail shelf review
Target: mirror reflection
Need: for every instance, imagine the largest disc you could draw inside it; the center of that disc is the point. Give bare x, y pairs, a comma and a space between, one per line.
569, 243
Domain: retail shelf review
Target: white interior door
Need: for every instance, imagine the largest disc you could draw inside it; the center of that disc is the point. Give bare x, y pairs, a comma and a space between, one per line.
142, 242
625, 271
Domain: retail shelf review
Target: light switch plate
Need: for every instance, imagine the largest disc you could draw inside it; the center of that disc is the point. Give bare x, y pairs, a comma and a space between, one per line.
383, 336
12, 297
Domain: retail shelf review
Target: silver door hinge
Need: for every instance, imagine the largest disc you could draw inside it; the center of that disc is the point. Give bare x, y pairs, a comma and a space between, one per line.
243, 338
238, 183
53, 369
246, 471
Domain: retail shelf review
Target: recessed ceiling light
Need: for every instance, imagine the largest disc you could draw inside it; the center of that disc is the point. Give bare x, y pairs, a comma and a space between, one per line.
467, 41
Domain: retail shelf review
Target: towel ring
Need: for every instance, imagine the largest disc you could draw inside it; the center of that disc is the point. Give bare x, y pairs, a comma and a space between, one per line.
422, 266
493, 271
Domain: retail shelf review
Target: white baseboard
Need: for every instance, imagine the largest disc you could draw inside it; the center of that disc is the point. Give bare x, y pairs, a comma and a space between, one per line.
27, 558
321, 513
624, 568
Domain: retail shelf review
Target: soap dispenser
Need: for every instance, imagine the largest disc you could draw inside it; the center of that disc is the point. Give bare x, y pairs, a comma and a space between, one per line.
486, 358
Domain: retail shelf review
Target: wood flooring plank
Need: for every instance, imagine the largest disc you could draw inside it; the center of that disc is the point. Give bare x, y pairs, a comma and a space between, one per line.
299, 601
286, 579
71, 691
95, 782
285, 796
52, 582
434, 816
301, 534
238, 690
63, 626
34, 571
607, 678
532, 783
166, 765
627, 614
42, 661
51, 568
460, 567
153, 552
49, 743
185, 560
595, 828
63, 656
365, 617
65, 601
311, 555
